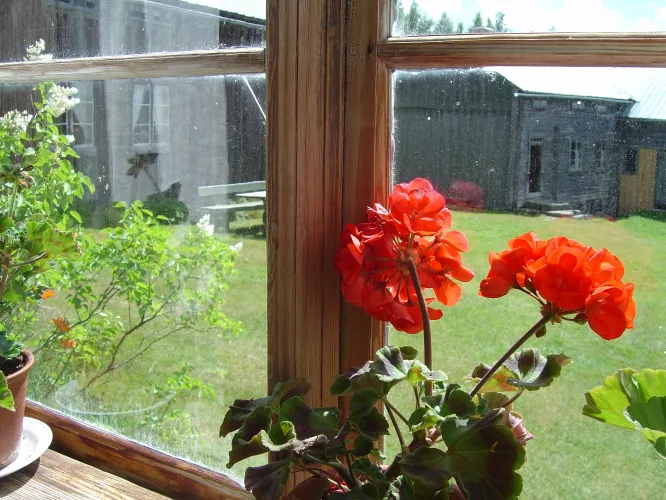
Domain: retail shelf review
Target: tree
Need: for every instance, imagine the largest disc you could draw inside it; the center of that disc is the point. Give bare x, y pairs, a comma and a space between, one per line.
417, 22
490, 24
460, 28
500, 27
444, 25
478, 20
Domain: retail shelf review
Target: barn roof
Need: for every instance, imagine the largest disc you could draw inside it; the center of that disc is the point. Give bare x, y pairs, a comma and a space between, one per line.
564, 81
652, 105
248, 8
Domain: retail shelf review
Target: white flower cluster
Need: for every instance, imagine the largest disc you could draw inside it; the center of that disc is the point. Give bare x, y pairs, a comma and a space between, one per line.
205, 225
59, 99
237, 247
15, 121
35, 52
70, 139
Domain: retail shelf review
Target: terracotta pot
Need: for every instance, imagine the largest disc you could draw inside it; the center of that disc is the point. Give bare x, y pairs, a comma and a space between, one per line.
11, 422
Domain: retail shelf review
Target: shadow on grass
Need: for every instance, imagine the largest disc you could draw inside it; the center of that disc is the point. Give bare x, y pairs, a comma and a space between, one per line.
658, 215
257, 232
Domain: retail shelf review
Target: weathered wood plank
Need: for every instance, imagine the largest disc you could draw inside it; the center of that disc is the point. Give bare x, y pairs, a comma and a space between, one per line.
56, 476
155, 65
525, 49
132, 461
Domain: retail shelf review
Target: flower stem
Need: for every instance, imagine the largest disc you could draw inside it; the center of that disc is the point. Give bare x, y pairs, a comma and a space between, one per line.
427, 336
537, 326
395, 410
403, 446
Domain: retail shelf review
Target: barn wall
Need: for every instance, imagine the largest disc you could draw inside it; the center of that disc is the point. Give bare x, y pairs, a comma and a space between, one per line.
454, 125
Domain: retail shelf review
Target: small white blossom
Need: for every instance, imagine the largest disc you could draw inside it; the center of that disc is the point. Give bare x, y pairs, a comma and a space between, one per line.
59, 99
70, 139
237, 247
15, 121
34, 52
205, 225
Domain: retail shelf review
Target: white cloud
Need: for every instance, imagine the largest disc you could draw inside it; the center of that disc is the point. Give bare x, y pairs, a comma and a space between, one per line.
435, 8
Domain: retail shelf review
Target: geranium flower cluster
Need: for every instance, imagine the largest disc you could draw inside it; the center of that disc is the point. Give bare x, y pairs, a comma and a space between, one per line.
376, 258
568, 279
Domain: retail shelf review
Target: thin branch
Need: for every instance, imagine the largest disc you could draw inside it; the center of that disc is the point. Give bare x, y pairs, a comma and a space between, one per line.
403, 446
427, 336
400, 415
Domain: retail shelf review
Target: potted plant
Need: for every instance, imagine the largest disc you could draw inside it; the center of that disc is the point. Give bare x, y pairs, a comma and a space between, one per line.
456, 441
34, 221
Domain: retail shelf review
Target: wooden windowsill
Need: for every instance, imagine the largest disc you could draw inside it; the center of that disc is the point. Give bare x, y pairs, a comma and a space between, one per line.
56, 476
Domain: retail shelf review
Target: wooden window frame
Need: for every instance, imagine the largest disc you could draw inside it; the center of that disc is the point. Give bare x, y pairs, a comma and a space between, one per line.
328, 67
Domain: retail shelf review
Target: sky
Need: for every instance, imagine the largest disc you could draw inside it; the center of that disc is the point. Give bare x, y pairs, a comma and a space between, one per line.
563, 15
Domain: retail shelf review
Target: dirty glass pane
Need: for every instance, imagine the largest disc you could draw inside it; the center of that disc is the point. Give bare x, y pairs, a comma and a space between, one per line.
160, 323
87, 28
575, 152
441, 17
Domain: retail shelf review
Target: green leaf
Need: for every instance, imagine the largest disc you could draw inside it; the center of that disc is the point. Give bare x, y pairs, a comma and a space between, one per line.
390, 367
247, 441
422, 418
363, 401
10, 347
427, 466
6, 397
650, 418
362, 446
75, 215
364, 467
408, 352
485, 455
496, 383
282, 433
310, 422
267, 482
454, 401
534, 371
241, 408
371, 424
608, 402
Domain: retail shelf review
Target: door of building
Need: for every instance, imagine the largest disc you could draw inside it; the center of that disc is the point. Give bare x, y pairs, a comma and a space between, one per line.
534, 172
660, 181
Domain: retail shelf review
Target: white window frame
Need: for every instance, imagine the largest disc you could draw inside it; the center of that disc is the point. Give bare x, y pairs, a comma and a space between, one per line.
600, 155
155, 110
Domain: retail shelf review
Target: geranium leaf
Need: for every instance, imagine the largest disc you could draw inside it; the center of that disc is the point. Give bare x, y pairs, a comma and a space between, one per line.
391, 367
363, 401
281, 433
485, 455
367, 469
408, 352
247, 441
357, 380
532, 370
371, 424
607, 403
496, 383
650, 418
422, 418
6, 397
267, 481
427, 466
310, 422
363, 446
241, 408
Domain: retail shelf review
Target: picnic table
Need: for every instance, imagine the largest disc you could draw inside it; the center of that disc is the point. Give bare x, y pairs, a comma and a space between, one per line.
228, 204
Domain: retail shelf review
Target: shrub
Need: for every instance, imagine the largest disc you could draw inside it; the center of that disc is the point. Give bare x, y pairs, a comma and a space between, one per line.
175, 211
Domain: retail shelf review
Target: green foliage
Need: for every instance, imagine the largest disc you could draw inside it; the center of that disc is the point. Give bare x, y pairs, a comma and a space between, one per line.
632, 400
10, 346
6, 397
415, 21
37, 189
173, 211
483, 439
166, 286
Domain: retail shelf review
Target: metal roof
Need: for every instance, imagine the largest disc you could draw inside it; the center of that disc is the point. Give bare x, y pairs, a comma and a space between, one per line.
565, 81
652, 105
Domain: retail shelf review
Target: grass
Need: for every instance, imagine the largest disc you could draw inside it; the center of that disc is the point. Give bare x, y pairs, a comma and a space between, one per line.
571, 456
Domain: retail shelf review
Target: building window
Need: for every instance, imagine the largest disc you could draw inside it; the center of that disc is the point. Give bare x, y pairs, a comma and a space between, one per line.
86, 4
631, 162
78, 122
150, 114
602, 109
577, 105
601, 155
539, 104
576, 156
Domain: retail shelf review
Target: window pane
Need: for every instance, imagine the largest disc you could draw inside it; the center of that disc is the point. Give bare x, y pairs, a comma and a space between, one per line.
159, 323
115, 27
433, 17
507, 166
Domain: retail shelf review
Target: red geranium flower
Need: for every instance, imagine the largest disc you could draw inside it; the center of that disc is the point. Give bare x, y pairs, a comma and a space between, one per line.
568, 279
375, 257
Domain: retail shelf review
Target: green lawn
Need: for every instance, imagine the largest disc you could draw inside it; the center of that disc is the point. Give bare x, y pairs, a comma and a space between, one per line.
571, 456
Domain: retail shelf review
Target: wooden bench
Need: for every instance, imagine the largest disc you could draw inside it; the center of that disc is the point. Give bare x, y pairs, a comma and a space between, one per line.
226, 194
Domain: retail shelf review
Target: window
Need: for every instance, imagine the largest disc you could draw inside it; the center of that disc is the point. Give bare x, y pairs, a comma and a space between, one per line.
578, 105
539, 104
150, 114
601, 155
602, 109
631, 161
575, 156
79, 122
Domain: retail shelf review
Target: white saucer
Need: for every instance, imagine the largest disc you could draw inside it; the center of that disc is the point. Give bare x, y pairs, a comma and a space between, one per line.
35, 441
